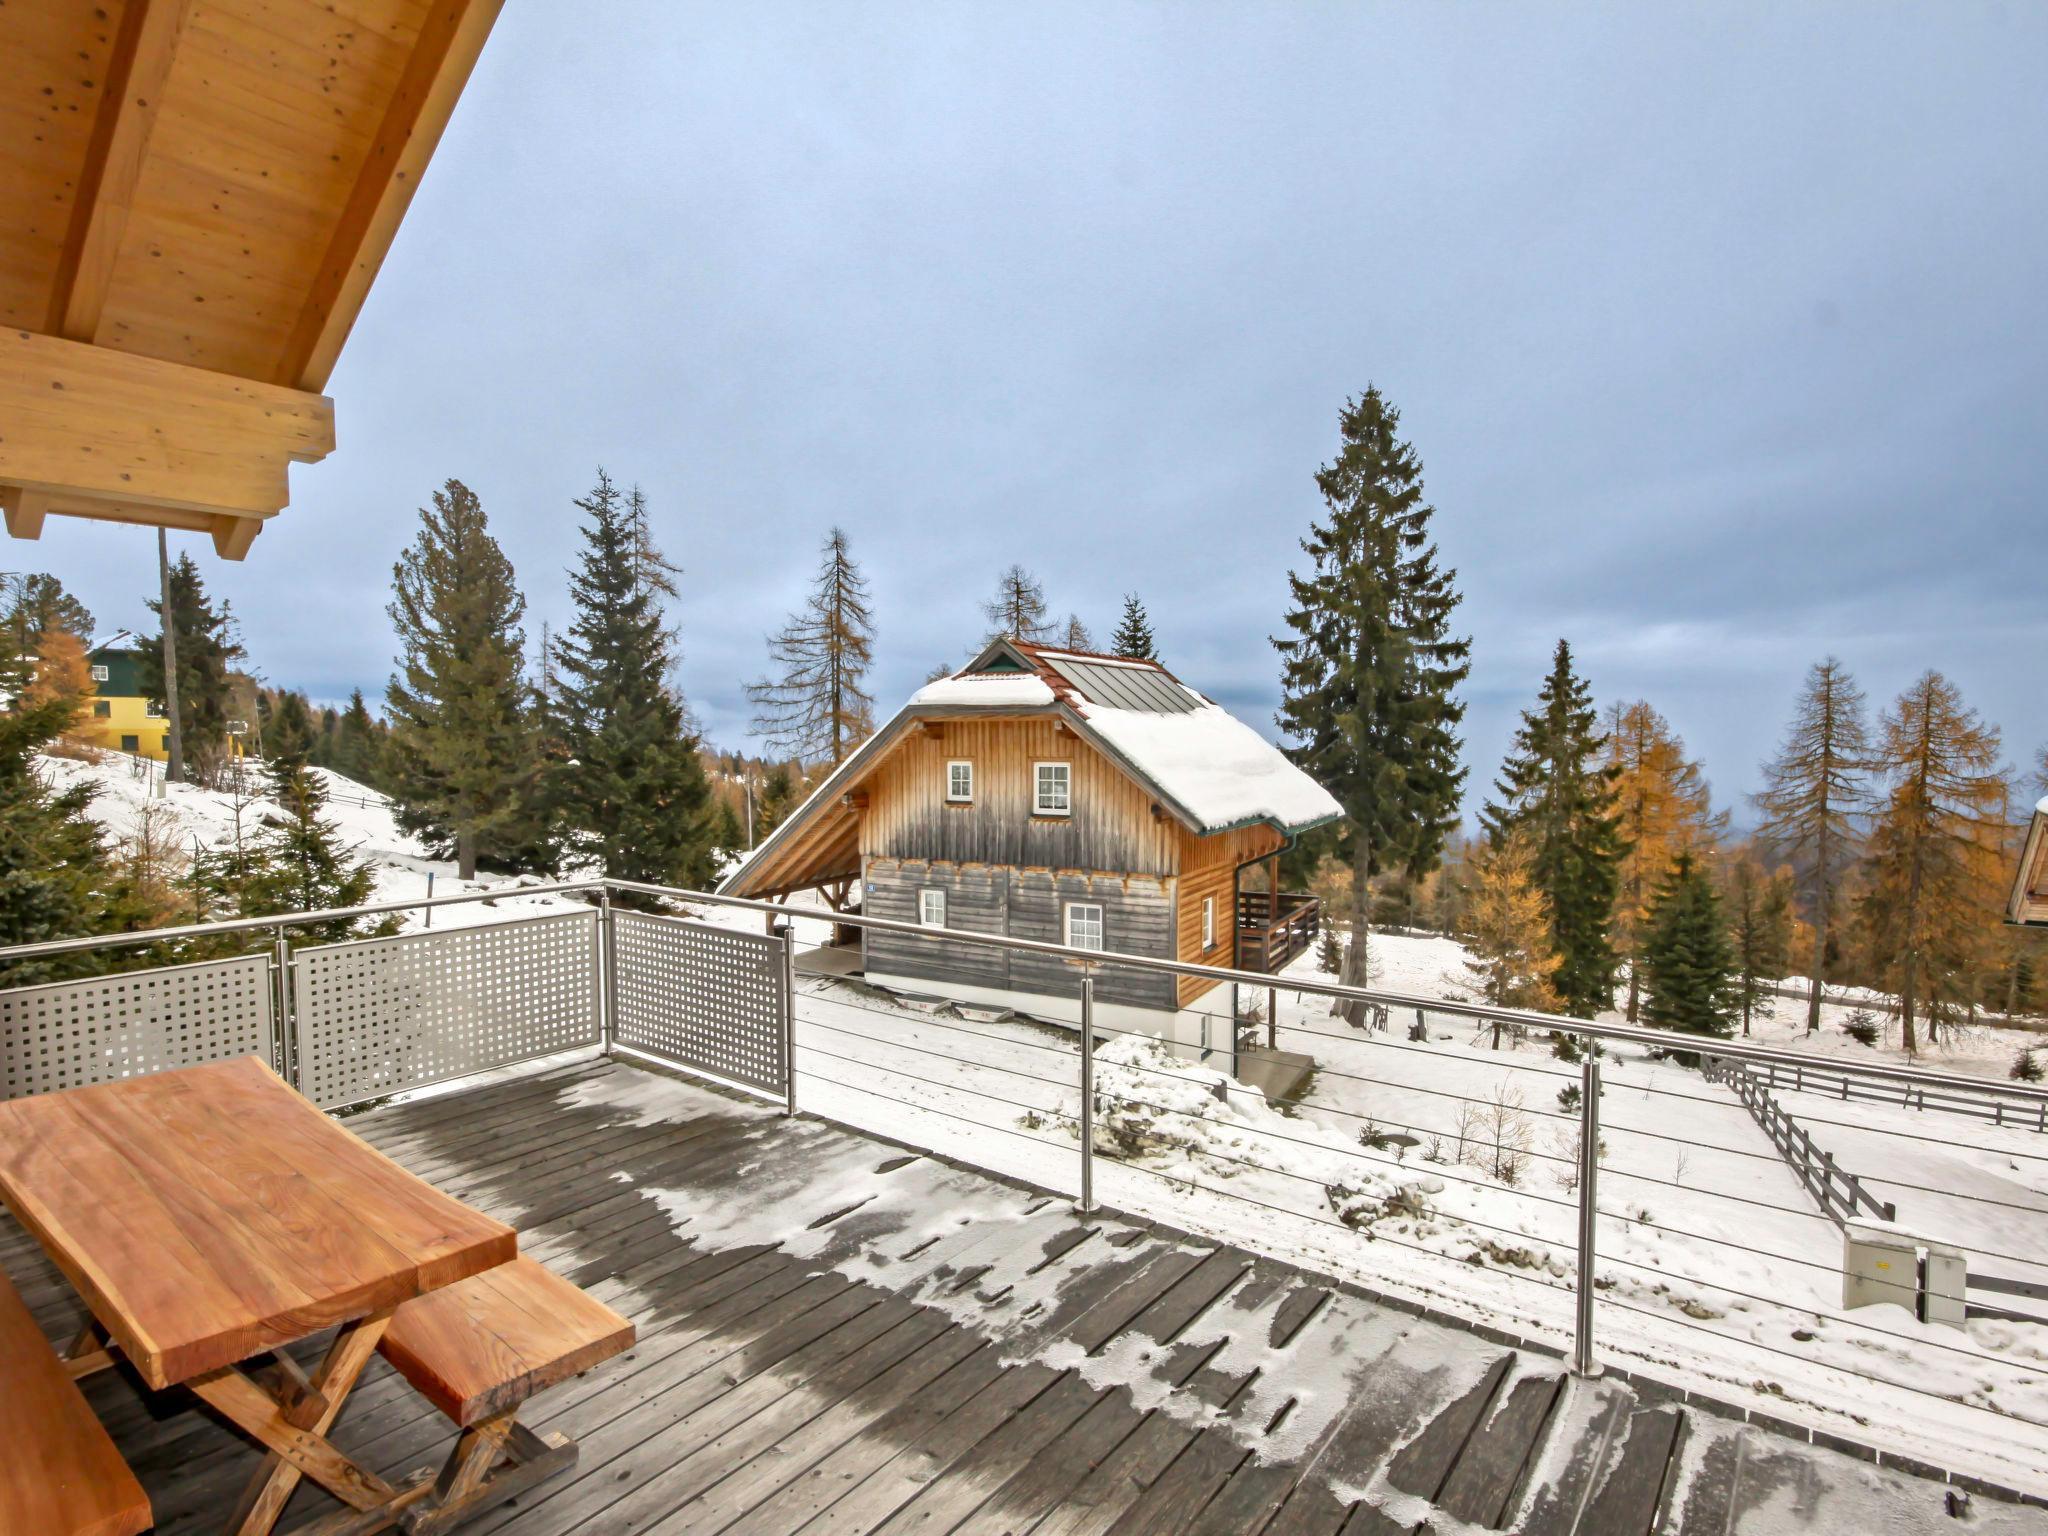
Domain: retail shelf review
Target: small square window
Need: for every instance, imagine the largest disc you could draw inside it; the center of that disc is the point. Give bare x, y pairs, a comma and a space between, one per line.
153, 709
959, 781
931, 907
1084, 925
1054, 790
102, 709
99, 674
131, 743
1208, 922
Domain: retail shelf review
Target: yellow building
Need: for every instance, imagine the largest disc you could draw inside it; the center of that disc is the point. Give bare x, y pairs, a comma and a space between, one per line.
125, 716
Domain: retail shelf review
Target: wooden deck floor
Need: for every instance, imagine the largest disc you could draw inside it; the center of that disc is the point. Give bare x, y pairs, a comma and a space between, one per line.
839, 1337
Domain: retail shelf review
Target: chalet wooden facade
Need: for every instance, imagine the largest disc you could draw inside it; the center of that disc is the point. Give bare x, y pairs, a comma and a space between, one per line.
2029, 904
1075, 799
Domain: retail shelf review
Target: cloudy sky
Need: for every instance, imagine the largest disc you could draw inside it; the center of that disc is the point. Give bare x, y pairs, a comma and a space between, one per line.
1720, 333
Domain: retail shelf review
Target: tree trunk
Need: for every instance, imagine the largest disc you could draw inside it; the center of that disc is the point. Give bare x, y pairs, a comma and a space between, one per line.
1820, 957
1356, 956
1635, 995
174, 767
465, 855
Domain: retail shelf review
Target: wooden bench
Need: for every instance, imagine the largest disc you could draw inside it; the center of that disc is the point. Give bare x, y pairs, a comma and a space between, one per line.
477, 1350
59, 1473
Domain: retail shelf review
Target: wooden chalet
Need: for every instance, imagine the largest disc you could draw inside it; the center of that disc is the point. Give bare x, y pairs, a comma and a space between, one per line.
1040, 793
2029, 904
198, 195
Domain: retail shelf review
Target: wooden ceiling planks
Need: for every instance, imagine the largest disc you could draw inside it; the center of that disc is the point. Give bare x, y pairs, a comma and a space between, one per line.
211, 184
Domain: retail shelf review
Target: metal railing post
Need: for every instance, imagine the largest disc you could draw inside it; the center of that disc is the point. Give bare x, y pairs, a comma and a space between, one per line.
607, 972
1583, 1362
287, 1037
1086, 1204
787, 931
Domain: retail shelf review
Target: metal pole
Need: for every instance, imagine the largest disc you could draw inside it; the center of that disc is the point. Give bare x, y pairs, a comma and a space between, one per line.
608, 970
1583, 1362
787, 930
430, 897
1086, 1204
281, 959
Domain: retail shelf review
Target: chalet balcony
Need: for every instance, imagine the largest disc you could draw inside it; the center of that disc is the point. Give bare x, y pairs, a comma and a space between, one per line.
1275, 928
893, 1269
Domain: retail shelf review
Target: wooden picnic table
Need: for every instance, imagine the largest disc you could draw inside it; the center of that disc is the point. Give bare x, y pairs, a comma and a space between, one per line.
210, 1215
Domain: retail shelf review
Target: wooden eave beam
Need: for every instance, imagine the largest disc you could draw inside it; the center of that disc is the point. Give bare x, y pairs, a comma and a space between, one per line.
450, 38
91, 432
140, 63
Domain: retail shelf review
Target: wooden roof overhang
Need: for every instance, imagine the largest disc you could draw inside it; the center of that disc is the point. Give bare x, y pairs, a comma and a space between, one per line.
2029, 905
198, 195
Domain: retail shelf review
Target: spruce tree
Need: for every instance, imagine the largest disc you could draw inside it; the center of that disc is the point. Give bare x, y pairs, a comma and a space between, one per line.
464, 747
207, 649
58, 878
299, 862
356, 744
1557, 790
1934, 874
1759, 906
1688, 965
1369, 670
34, 603
289, 731
779, 796
1133, 637
816, 707
632, 788
1666, 808
1017, 611
1815, 790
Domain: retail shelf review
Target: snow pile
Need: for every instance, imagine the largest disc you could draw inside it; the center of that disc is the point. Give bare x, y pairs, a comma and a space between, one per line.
1187, 1121
1214, 766
1004, 690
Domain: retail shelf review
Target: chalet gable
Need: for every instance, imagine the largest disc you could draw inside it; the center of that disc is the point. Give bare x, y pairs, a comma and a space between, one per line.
2029, 904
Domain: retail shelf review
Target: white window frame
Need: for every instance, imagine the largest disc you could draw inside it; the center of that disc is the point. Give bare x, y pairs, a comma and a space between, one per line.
1101, 925
1066, 783
153, 708
99, 673
925, 896
1208, 922
953, 798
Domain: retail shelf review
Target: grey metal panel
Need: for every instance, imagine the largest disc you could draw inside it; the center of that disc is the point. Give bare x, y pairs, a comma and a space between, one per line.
1135, 688
67, 1034
704, 997
377, 1016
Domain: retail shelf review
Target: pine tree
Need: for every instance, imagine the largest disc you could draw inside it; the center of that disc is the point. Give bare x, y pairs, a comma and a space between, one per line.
289, 731
1687, 963
632, 788
727, 836
57, 876
1934, 868
207, 649
1759, 907
779, 796
356, 745
1666, 808
1017, 611
465, 755
61, 671
1557, 790
299, 862
1133, 637
816, 707
1370, 668
1509, 928
35, 604
1814, 791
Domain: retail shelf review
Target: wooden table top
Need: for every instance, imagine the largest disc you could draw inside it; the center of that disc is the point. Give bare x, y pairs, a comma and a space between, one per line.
211, 1213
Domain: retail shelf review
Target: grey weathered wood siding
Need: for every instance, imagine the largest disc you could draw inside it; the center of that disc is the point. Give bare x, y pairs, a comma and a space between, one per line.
1026, 904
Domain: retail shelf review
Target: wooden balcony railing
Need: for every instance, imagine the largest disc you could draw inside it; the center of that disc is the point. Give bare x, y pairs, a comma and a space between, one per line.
1273, 929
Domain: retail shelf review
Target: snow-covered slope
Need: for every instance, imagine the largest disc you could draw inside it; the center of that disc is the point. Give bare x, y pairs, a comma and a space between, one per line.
124, 785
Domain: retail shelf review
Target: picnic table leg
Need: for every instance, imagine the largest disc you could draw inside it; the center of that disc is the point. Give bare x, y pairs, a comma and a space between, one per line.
295, 1431
89, 1353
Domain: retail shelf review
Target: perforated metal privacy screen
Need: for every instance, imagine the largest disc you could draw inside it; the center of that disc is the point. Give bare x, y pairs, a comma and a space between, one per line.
704, 997
70, 1033
381, 1015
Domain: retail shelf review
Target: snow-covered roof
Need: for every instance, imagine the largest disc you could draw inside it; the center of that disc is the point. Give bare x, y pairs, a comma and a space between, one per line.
1214, 769
2042, 808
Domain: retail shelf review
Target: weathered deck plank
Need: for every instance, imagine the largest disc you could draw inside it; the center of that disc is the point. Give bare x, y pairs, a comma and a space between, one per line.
907, 1347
